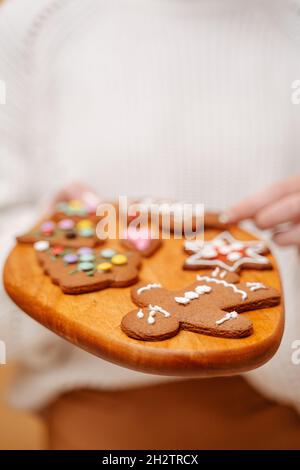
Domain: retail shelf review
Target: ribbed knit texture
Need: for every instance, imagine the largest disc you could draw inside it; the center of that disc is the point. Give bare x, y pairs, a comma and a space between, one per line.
184, 99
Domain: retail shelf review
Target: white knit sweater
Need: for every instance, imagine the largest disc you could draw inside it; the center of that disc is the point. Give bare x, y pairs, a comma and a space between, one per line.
184, 99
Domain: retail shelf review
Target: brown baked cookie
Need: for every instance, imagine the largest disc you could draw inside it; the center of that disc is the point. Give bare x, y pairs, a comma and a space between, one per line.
209, 306
165, 207
228, 276
86, 269
226, 253
215, 220
140, 240
65, 232
76, 210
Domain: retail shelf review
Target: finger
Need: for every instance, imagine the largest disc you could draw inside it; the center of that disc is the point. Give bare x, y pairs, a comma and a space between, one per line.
289, 237
285, 210
247, 208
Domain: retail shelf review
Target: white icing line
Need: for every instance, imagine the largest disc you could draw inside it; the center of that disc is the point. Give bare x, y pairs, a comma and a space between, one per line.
224, 283
192, 295
148, 287
227, 317
140, 314
254, 286
153, 310
254, 247
223, 274
203, 289
151, 319
193, 245
194, 260
223, 218
215, 272
182, 300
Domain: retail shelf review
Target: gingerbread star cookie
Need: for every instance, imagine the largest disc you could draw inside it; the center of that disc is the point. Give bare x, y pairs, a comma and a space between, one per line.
140, 240
226, 253
209, 306
86, 269
65, 232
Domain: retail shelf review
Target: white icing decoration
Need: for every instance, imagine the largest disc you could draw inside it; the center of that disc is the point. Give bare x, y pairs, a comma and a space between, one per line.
253, 286
209, 252
227, 317
182, 300
223, 218
237, 246
140, 314
193, 245
234, 256
153, 309
203, 289
148, 287
218, 242
215, 272
253, 248
225, 250
41, 245
191, 295
225, 284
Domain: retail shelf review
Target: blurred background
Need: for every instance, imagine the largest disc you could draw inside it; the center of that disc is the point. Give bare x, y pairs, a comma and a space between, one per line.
179, 99
18, 429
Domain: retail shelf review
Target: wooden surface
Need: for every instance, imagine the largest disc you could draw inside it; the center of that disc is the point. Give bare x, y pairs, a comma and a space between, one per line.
92, 321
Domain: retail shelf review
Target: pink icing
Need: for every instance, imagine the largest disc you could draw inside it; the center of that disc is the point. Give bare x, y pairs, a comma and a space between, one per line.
141, 239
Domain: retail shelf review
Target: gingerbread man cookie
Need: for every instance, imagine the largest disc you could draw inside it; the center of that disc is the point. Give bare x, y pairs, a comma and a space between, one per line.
209, 306
86, 269
226, 253
140, 240
65, 232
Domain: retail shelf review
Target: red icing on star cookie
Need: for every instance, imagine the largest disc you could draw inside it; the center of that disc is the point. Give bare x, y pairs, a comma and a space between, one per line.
226, 253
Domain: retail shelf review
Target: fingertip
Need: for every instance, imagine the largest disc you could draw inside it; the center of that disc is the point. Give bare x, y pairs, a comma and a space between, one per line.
279, 239
261, 222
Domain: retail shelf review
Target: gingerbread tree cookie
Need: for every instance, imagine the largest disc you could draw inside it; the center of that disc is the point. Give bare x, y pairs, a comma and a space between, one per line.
65, 232
210, 306
86, 269
226, 253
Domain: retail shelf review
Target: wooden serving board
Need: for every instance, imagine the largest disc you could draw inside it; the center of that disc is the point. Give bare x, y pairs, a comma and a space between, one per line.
92, 321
